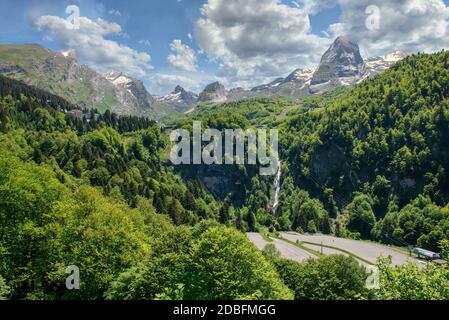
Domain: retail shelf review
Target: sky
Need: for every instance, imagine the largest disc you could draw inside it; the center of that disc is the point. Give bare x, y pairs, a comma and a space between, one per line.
241, 43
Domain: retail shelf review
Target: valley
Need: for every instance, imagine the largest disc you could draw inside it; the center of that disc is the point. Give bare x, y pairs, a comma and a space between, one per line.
363, 170
239, 159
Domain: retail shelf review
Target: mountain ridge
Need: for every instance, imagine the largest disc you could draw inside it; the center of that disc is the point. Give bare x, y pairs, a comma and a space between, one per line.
341, 65
61, 73
180, 99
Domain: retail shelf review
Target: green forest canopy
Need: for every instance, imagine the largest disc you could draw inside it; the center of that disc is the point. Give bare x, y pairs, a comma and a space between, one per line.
100, 195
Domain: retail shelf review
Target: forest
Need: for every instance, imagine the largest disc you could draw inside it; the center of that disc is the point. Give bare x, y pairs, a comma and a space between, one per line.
377, 157
368, 163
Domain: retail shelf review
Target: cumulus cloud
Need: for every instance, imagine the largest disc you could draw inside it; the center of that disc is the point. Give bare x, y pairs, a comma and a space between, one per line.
315, 6
256, 40
409, 25
183, 57
91, 45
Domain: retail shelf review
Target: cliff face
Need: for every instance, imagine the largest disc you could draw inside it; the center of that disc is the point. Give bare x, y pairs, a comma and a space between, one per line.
341, 64
131, 94
214, 92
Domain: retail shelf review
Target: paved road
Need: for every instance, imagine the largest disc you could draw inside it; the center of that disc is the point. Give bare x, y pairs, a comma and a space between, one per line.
366, 250
286, 249
328, 251
257, 240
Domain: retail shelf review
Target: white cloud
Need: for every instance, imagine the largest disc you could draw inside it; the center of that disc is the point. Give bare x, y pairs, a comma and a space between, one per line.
254, 41
409, 25
257, 40
183, 57
91, 45
315, 6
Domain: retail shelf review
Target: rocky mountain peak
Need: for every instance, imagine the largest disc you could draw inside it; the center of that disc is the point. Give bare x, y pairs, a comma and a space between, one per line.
214, 92
179, 89
341, 64
118, 78
179, 99
215, 86
343, 43
185, 96
299, 75
343, 57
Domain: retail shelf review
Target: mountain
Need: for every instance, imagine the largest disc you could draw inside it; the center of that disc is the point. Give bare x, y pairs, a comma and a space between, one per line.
372, 164
380, 64
341, 65
272, 84
214, 92
367, 142
131, 93
62, 74
294, 85
180, 99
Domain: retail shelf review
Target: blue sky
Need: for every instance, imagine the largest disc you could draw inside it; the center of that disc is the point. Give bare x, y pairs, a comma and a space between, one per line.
237, 42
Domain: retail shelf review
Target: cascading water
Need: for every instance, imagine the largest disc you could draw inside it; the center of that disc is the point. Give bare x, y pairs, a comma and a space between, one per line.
277, 189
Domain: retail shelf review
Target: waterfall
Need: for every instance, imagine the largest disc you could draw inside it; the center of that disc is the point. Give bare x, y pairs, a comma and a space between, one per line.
277, 189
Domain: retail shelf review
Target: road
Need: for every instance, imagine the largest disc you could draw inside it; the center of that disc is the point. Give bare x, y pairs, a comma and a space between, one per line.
366, 250
328, 251
287, 250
